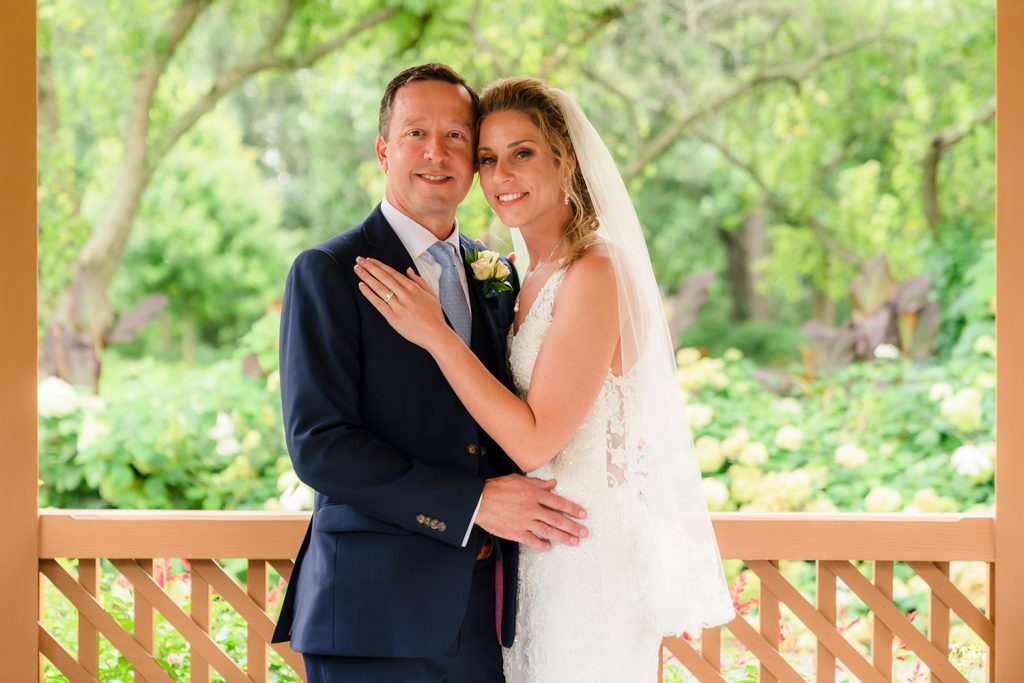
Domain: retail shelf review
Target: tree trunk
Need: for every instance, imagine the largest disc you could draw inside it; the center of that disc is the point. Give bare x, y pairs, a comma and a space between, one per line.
86, 316
744, 246
824, 308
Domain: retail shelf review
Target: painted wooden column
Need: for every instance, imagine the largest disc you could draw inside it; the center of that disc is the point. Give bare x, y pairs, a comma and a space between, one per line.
18, 456
1009, 586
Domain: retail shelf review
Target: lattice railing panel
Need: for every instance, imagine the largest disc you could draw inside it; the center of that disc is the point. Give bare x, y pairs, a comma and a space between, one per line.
798, 567
205, 581
892, 647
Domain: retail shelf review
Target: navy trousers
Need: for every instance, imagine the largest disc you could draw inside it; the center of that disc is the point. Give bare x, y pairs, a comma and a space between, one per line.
474, 657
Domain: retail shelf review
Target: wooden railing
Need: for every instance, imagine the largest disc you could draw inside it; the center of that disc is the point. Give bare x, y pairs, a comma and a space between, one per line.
836, 544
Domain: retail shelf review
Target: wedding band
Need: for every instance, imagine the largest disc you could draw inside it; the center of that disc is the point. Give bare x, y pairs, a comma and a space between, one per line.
388, 296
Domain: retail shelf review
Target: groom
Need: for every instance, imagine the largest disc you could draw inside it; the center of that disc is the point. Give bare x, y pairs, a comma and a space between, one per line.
408, 569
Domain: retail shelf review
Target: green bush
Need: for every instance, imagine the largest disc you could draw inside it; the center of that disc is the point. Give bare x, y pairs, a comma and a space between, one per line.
883, 436
163, 436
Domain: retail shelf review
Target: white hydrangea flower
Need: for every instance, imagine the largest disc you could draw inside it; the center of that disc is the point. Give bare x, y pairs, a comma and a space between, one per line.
716, 494
940, 391
789, 406
699, 415
754, 454
963, 409
92, 430
985, 380
821, 505
784, 491
927, 500
687, 356
970, 460
709, 454
297, 499
883, 499
718, 380
887, 351
223, 428
985, 345
732, 355
287, 480
295, 495
56, 398
851, 455
274, 382
789, 438
228, 447
737, 440
744, 482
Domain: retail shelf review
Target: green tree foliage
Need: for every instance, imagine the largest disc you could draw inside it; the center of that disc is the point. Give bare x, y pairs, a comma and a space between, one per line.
781, 143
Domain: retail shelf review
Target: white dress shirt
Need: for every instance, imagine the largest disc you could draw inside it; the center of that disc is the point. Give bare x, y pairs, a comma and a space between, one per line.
416, 239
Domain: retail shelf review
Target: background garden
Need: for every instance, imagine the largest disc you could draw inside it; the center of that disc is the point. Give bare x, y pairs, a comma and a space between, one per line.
816, 181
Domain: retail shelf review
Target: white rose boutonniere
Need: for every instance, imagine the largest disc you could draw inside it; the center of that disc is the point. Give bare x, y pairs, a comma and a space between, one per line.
489, 269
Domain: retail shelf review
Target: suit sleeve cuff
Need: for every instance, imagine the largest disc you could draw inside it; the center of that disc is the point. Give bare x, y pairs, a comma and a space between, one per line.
472, 521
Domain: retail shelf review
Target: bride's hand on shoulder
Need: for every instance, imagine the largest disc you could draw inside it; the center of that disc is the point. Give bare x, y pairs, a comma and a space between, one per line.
405, 301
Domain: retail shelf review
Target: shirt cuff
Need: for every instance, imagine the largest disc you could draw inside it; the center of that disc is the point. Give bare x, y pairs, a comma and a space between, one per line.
472, 521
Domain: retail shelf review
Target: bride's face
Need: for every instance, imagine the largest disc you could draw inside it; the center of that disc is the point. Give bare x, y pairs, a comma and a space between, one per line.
518, 173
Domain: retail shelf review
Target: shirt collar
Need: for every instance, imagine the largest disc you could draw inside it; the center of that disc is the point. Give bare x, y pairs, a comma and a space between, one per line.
415, 238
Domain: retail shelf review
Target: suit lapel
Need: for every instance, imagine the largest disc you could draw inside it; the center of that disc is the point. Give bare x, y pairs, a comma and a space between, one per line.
386, 245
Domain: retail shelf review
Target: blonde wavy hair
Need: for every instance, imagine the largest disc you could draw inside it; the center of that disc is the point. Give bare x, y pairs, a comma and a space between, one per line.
532, 98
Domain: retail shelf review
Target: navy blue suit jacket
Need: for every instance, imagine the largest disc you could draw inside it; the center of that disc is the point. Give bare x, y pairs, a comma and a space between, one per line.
396, 461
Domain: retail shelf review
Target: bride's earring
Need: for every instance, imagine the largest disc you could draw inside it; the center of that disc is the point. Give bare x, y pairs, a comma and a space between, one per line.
565, 199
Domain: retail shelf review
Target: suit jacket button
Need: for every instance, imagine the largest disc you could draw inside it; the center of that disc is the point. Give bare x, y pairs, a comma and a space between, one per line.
434, 524
483, 450
442, 527
472, 449
422, 519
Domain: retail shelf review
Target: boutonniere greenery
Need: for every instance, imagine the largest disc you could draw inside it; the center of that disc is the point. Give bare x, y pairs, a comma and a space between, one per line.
490, 270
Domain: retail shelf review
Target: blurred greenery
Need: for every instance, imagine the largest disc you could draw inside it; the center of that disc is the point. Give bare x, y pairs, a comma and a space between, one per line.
780, 143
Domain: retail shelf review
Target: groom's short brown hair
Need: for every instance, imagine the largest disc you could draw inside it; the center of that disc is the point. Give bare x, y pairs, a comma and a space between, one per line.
423, 72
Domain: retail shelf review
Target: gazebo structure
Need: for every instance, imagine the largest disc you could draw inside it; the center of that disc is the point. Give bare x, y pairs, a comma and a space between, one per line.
33, 541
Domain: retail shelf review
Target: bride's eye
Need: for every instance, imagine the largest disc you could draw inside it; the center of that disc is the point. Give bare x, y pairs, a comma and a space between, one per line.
523, 154
486, 161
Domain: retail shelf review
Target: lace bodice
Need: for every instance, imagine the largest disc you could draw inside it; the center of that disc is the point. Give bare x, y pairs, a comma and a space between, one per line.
605, 429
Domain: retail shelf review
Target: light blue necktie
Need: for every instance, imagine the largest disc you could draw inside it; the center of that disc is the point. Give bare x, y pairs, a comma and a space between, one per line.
449, 290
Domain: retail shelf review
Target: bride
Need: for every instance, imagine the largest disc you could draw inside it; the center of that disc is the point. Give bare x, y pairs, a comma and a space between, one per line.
596, 405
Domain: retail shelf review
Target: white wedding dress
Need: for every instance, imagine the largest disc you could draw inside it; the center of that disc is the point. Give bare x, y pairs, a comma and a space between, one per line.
585, 612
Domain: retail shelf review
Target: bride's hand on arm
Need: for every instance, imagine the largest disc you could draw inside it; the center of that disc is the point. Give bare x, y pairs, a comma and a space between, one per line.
413, 310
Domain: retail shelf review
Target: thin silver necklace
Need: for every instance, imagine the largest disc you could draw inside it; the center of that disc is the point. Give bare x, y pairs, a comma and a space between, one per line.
533, 268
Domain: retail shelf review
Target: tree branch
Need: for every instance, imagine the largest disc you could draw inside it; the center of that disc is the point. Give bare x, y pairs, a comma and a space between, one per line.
787, 72
101, 252
262, 59
775, 202
599, 23
941, 141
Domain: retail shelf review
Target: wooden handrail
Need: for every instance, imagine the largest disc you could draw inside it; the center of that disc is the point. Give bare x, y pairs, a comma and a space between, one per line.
763, 536
924, 542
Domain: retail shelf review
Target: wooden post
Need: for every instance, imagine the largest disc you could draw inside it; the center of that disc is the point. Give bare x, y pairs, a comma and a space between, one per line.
19, 570
1009, 590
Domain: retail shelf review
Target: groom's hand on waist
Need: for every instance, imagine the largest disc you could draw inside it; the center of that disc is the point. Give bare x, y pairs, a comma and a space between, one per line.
524, 509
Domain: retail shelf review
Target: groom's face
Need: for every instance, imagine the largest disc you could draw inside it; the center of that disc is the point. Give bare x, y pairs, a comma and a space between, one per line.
428, 152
